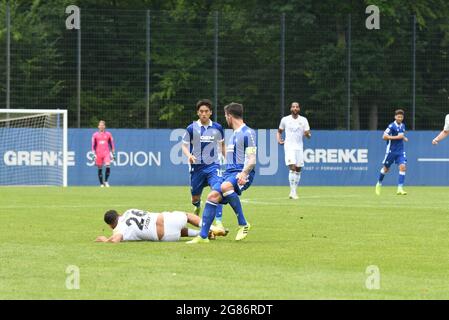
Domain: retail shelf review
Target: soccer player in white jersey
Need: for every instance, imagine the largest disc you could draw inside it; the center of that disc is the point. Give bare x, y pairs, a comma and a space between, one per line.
140, 225
443, 134
295, 127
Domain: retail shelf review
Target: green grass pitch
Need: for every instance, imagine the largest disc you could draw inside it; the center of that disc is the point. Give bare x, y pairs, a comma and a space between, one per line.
317, 247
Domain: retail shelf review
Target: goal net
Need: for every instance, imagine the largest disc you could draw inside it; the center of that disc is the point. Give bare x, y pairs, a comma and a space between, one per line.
33, 147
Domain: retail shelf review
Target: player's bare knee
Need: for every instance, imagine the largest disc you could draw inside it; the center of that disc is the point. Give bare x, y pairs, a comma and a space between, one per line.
193, 219
184, 232
195, 198
226, 186
213, 196
402, 168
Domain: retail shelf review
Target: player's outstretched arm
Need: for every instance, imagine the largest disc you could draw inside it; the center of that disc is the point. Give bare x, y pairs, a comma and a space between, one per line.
94, 143
116, 238
223, 148
398, 137
112, 143
193, 219
443, 134
252, 160
279, 136
186, 151
308, 134
251, 164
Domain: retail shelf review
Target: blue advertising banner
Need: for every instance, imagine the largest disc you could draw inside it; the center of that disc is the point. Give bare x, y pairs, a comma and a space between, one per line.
154, 157
347, 158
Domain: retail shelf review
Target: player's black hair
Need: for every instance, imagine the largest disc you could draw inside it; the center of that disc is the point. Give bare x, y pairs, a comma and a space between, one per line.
399, 111
110, 217
204, 102
234, 109
291, 104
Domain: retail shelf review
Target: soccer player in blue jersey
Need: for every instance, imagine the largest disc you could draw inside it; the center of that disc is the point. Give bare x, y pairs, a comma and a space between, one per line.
202, 143
395, 137
240, 163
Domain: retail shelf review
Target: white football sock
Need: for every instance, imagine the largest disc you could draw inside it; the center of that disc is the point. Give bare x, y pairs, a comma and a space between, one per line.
292, 180
297, 177
192, 233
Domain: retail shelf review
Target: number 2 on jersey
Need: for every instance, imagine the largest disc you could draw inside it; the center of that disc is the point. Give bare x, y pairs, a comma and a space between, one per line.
139, 224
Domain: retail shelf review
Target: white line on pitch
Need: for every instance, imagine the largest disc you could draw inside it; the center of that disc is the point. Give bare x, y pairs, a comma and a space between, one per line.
56, 206
433, 159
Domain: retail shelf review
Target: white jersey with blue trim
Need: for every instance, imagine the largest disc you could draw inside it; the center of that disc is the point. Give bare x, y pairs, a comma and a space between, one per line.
241, 144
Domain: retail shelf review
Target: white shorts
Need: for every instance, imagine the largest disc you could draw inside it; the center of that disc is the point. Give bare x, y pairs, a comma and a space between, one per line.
174, 222
294, 156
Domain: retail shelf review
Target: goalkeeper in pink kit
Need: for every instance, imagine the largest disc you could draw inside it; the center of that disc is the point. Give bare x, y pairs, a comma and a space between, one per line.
102, 145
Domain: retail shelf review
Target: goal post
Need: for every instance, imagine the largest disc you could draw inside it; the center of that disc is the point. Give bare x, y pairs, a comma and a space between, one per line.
33, 147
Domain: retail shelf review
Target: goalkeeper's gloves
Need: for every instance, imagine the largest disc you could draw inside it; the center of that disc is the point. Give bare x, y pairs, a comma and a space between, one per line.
94, 156
112, 156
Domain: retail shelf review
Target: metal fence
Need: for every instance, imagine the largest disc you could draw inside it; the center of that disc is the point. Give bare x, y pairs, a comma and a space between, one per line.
147, 69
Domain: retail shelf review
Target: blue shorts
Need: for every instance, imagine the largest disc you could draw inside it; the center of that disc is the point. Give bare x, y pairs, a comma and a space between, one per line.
398, 158
232, 178
204, 176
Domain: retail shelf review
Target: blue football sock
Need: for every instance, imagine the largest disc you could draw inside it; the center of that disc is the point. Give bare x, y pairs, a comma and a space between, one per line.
401, 179
234, 200
382, 175
208, 217
219, 214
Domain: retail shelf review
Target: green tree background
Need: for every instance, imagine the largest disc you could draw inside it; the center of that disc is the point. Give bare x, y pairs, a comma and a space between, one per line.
44, 55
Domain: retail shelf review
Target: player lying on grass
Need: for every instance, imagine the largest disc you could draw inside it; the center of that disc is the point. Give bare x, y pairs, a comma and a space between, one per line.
139, 225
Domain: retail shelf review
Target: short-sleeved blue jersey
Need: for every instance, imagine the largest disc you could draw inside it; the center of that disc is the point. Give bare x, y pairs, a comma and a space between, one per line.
204, 142
395, 146
242, 142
